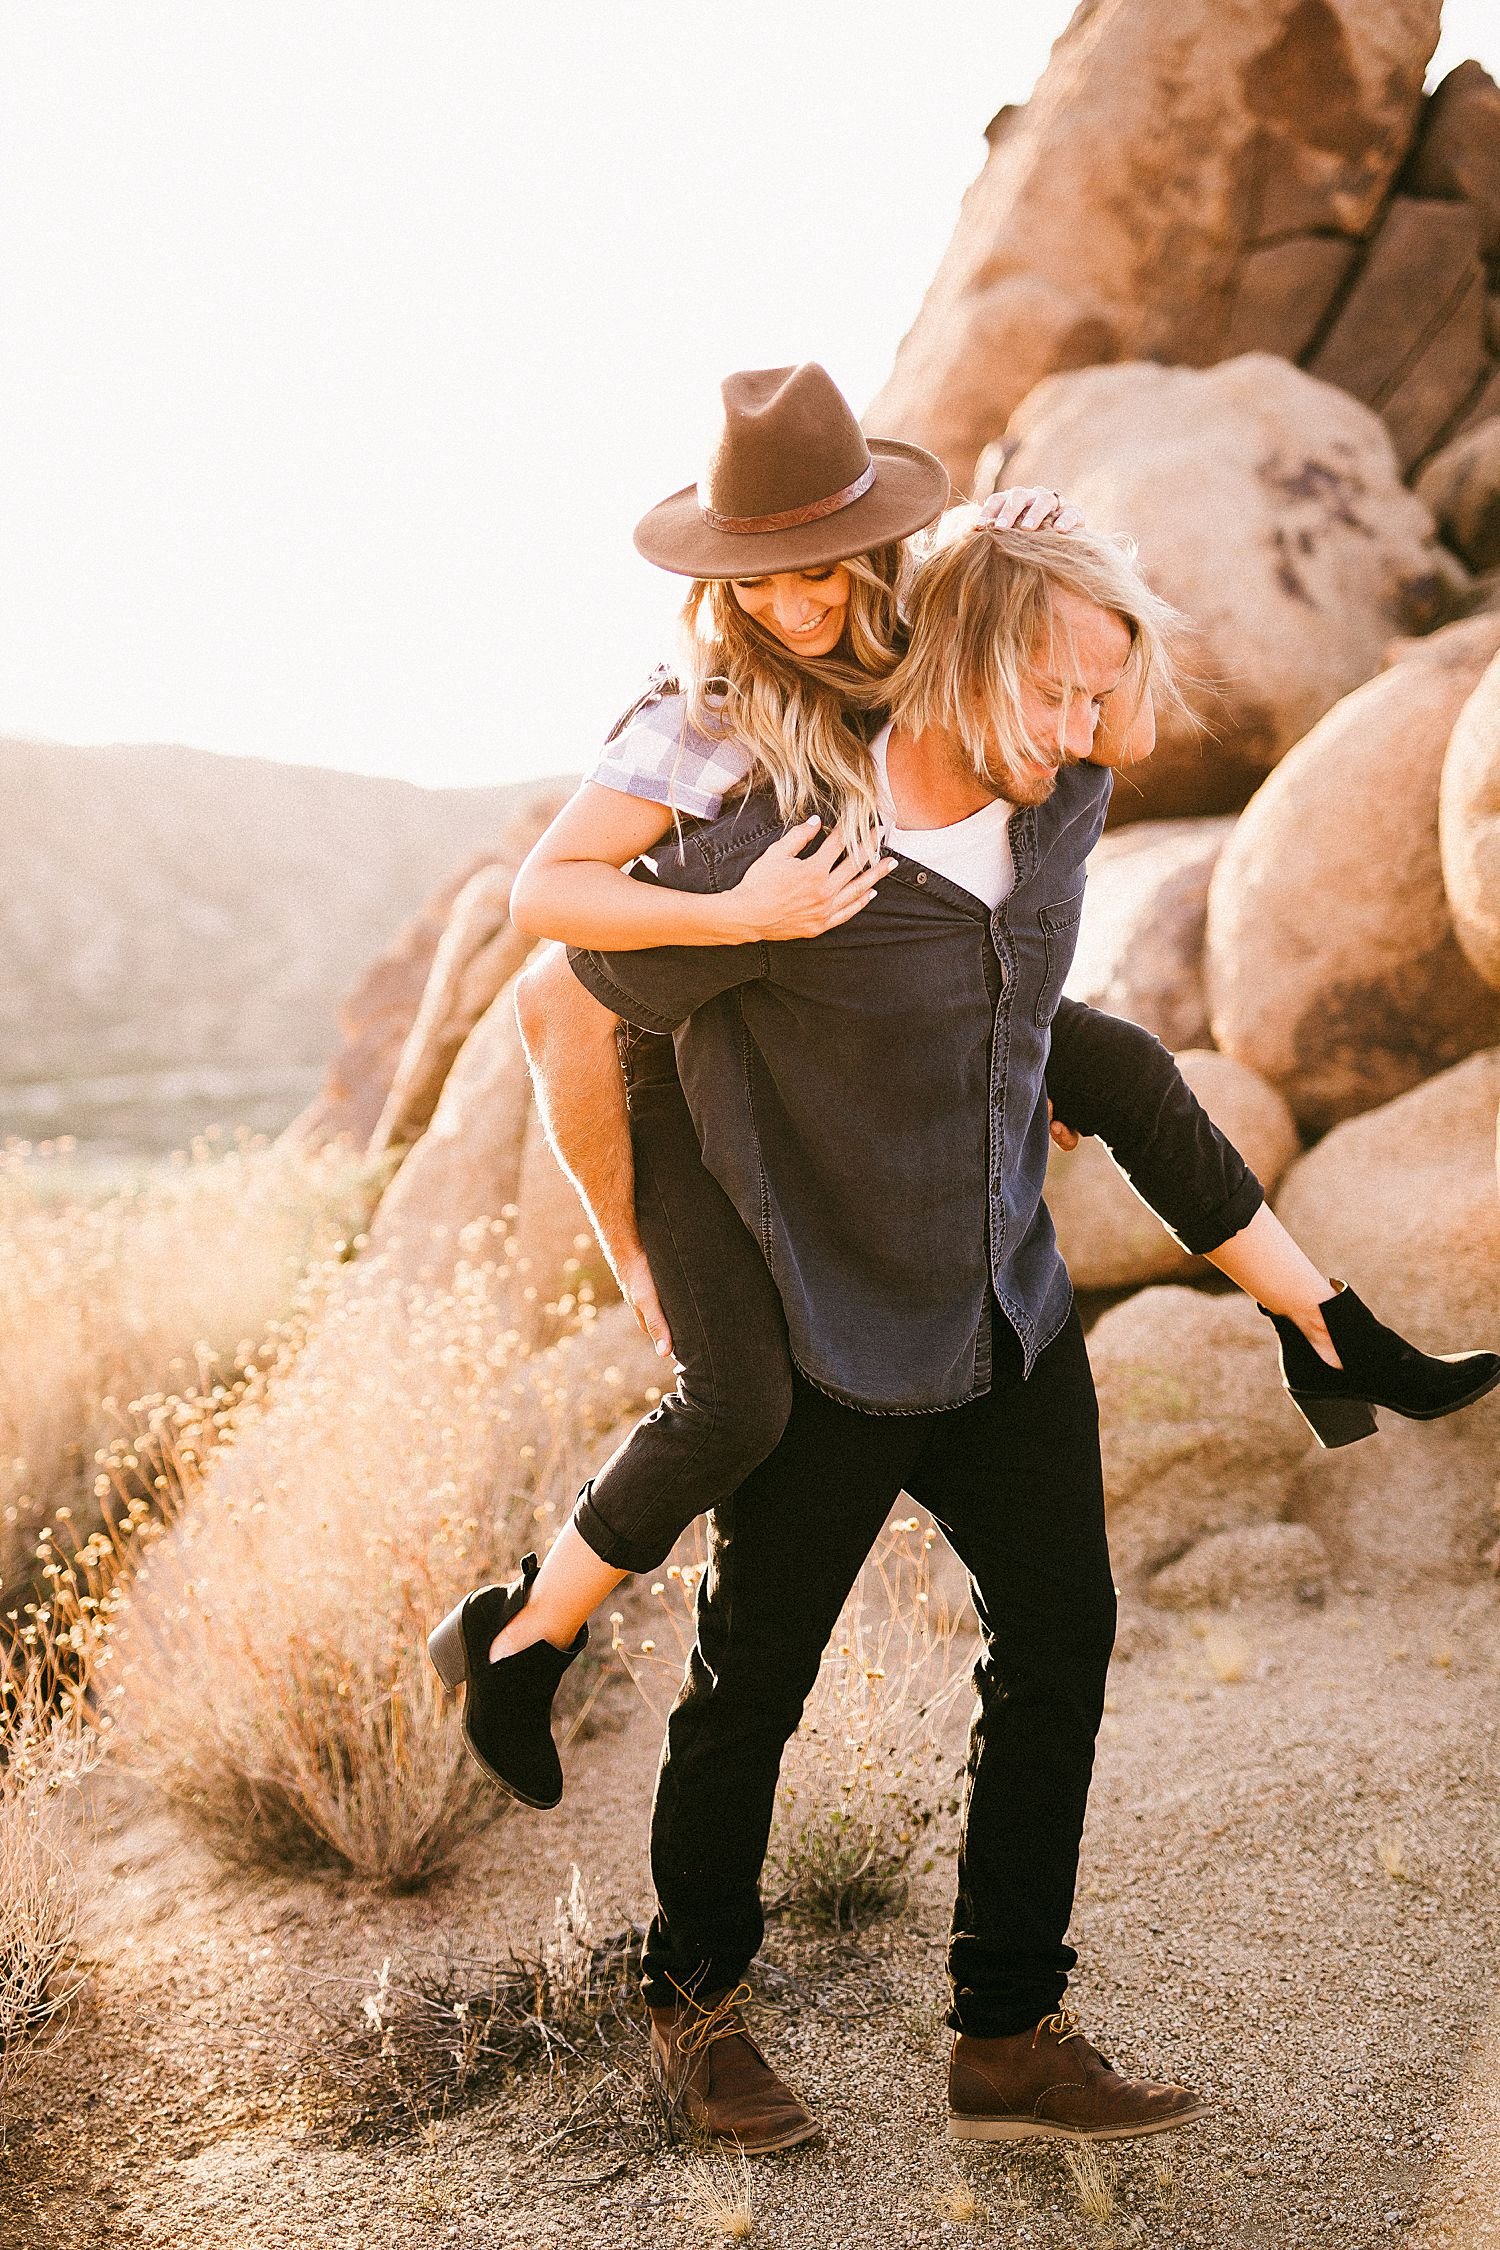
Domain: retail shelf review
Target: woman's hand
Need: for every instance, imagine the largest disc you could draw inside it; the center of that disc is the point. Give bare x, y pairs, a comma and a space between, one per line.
781, 895
1030, 507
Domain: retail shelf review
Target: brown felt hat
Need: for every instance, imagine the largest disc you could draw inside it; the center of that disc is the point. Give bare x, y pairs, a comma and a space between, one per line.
792, 482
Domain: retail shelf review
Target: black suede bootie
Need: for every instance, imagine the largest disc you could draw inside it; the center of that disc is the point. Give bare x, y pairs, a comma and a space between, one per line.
507, 1717
1379, 1369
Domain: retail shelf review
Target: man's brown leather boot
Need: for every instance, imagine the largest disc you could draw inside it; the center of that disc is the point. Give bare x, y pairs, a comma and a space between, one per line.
714, 2075
1051, 2084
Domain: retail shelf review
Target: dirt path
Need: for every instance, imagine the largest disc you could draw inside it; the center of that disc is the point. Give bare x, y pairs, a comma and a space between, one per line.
1291, 1898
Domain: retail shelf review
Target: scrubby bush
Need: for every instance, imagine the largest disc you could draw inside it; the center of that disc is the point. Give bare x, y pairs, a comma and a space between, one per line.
110, 1292
405, 1448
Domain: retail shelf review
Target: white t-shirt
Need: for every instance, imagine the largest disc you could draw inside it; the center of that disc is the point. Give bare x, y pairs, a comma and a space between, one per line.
657, 756
974, 852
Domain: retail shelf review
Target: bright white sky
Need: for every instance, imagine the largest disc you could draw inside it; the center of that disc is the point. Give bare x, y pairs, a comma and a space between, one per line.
344, 340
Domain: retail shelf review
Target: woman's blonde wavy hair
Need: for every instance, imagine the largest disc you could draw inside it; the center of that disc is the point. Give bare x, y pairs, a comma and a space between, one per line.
980, 603
800, 715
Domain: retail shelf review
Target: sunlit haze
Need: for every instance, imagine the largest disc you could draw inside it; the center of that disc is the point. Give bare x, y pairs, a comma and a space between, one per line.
344, 341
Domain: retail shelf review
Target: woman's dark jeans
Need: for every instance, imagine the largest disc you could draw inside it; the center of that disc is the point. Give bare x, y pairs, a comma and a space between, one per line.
734, 1393
1014, 1481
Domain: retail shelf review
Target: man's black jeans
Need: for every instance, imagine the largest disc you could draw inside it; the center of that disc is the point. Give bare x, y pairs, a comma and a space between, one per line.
1013, 1479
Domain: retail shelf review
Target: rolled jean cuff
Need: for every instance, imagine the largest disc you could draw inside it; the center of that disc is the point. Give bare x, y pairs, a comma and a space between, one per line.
1226, 1219
607, 1543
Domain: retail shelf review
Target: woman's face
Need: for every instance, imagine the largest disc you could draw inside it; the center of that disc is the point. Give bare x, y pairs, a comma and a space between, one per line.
803, 609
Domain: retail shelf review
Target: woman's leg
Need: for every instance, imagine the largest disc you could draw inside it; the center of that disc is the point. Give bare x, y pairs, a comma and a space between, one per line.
1108, 1077
733, 1392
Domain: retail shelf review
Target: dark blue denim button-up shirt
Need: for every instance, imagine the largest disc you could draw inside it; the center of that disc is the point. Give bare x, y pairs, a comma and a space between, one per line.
873, 1100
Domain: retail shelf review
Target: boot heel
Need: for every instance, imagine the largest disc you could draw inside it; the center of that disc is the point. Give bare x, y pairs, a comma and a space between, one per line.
1335, 1421
445, 1645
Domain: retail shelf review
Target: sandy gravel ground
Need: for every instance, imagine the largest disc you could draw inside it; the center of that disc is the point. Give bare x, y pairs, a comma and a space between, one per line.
1290, 1899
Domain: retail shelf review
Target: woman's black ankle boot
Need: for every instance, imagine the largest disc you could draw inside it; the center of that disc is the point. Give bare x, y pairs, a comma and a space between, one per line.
507, 1706
1379, 1369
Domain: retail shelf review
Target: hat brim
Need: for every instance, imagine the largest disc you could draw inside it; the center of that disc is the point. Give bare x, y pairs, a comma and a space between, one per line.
910, 490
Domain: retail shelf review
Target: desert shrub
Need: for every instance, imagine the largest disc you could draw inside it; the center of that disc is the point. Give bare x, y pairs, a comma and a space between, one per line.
54, 1710
164, 1285
423, 2036
403, 1449
866, 1774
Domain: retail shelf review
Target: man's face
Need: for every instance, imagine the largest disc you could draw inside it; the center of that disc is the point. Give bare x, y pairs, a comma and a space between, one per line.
1070, 675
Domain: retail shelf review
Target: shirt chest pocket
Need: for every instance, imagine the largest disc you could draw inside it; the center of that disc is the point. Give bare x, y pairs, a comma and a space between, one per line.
1059, 927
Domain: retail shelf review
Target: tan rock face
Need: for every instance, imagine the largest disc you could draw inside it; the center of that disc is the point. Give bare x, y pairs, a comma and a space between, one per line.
1469, 826
1332, 963
1109, 1238
1140, 945
1401, 1203
1198, 1435
417, 1003
1409, 337
1461, 485
1269, 510
467, 1165
1458, 155
1180, 186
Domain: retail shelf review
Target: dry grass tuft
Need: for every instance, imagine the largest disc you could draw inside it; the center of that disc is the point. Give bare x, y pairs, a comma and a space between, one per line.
53, 1713
865, 1777
1093, 2175
420, 2038
111, 1292
403, 1448
959, 2206
719, 2187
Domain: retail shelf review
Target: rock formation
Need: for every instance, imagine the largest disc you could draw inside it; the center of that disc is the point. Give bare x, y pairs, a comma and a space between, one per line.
1181, 186
1269, 511
1140, 944
1333, 965
1469, 826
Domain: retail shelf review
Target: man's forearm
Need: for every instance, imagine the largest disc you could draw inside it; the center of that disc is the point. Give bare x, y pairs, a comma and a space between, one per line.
580, 1092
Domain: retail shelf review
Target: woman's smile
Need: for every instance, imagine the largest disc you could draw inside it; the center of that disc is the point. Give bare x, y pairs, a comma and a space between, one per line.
804, 610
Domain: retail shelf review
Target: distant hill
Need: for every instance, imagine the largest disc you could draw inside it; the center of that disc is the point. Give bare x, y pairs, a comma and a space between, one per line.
177, 928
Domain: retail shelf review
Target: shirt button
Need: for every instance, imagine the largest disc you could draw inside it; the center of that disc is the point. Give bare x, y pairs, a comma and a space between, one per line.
921, 878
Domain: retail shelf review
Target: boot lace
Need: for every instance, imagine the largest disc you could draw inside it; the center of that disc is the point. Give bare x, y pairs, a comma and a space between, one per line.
721, 2021
1063, 2022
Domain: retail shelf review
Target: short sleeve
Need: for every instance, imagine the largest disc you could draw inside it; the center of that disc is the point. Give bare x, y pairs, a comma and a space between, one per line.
657, 755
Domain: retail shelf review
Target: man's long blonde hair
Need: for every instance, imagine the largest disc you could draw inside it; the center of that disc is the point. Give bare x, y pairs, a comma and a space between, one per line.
800, 715
981, 607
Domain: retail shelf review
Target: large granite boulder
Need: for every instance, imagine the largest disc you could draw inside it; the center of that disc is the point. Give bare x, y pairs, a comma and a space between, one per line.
1402, 1204
1409, 336
1457, 156
1461, 485
478, 953
1140, 944
1332, 963
467, 1165
1185, 183
1269, 510
1198, 1435
1469, 826
1109, 1238
417, 1002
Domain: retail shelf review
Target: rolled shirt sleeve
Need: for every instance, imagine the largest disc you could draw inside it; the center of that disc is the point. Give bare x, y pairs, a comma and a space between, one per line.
659, 988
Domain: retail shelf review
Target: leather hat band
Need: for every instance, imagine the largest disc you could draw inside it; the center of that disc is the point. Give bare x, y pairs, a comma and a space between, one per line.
789, 518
